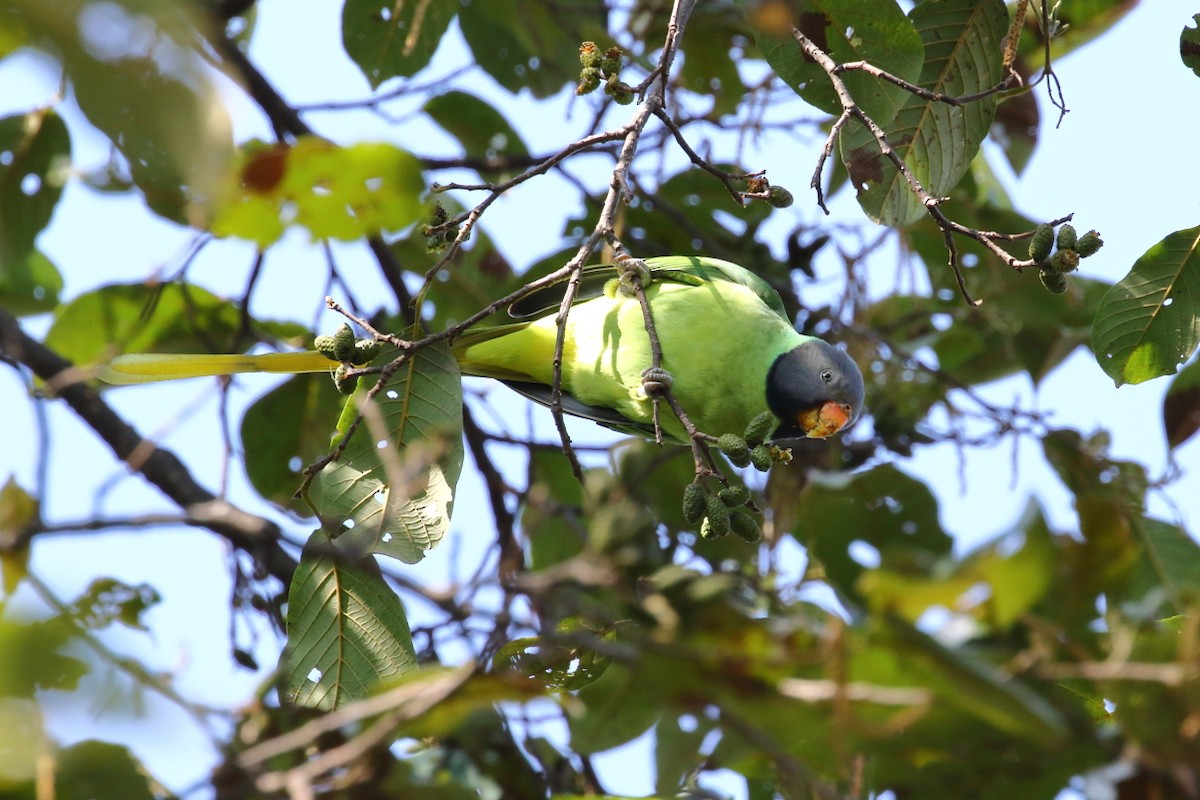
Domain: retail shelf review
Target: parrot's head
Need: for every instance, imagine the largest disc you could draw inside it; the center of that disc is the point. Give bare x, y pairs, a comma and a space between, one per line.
815, 389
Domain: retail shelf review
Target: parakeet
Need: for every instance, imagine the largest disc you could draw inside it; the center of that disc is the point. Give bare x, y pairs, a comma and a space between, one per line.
727, 343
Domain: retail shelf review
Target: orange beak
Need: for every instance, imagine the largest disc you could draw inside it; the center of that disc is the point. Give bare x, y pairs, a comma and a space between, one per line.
824, 421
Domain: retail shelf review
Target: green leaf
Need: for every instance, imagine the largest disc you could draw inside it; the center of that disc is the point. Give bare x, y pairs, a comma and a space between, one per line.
22, 742
976, 686
963, 42
137, 73
1016, 128
30, 285
619, 707
1189, 46
1015, 582
858, 30
1149, 322
33, 658
553, 664
552, 513
394, 484
335, 192
347, 630
482, 131
143, 318
678, 753
94, 770
526, 44
1181, 406
35, 155
883, 507
174, 138
19, 510
1168, 565
287, 429
388, 39
710, 69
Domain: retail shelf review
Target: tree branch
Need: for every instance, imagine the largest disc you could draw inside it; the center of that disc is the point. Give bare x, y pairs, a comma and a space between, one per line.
256, 535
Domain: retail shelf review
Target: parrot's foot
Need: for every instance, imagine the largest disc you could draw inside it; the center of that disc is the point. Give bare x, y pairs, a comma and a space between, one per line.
656, 381
630, 268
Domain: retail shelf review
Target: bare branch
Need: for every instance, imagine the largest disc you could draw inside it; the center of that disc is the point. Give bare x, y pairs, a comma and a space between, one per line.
256, 535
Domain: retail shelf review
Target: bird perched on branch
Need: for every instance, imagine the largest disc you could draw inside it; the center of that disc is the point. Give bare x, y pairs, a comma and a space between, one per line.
729, 352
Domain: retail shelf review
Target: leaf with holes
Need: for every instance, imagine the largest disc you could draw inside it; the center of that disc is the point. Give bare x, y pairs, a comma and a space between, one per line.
393, 487
884, 508
483, 132
287, 429
532, 45
847, 30
1149, 322
388, 39
936, 141
346, 629
35, 153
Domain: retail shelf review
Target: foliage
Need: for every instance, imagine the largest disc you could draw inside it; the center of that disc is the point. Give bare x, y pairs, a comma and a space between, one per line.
1047, 654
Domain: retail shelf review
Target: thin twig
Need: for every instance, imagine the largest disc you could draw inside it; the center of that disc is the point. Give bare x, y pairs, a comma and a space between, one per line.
850, 108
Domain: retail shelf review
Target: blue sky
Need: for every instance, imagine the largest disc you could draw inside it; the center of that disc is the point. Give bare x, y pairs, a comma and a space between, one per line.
1122, 161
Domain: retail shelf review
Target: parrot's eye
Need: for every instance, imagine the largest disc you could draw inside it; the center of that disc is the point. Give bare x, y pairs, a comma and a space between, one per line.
827, 375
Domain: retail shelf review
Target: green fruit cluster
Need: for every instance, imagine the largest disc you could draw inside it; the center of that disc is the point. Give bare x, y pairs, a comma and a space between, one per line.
438, 235
1068, 248
721, 513
602, 68
343, 347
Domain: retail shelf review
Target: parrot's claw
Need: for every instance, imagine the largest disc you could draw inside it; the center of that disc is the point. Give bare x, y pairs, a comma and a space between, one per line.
629, 268
656, 381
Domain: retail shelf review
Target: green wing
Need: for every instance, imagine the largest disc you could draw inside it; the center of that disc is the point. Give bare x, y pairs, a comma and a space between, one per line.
692, 270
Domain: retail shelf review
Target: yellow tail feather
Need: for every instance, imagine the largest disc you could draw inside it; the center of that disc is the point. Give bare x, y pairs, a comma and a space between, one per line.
149, 367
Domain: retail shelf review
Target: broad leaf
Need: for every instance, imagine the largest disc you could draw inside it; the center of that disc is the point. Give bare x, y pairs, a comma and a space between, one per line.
1149, 322
35, 657
393, 486
137, 72
30, 285
23, 743
963, 42
95, 770
143, 318
153, 318
287, 429
552, 512
883, 508
482, 131
347, 630
859, 30
1189, 46
388, 39
1015, 582
35, 152
553, 664
529, 45
976, 686
1168, 566
1181, 406
619, 706
335, 192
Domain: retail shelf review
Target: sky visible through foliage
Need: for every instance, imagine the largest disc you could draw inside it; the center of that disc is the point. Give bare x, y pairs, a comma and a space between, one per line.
1122, 161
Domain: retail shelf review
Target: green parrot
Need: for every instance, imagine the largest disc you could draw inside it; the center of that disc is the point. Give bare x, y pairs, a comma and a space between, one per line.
729, 348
